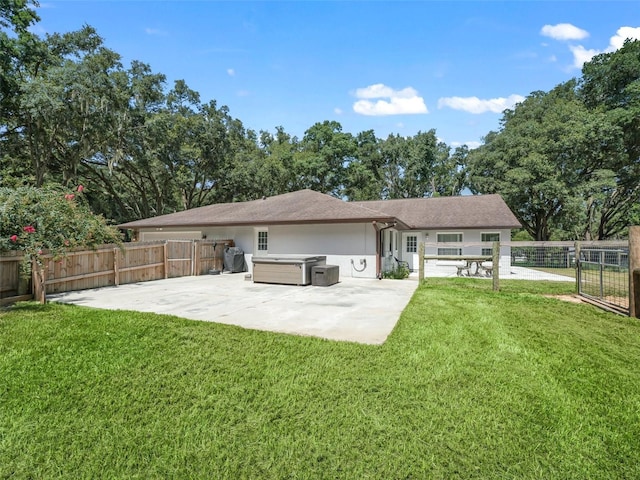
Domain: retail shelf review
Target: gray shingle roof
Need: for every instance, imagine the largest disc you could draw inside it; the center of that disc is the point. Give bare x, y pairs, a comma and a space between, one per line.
303, 206
471, 211
308, 206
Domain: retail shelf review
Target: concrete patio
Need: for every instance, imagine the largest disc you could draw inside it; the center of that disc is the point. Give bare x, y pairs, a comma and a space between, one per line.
355, 310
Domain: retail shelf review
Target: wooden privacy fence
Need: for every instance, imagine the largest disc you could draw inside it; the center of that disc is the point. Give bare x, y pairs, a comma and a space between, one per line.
110, 265
13, 286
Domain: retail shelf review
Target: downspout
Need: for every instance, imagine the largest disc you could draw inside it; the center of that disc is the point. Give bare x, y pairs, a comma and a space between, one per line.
379, 246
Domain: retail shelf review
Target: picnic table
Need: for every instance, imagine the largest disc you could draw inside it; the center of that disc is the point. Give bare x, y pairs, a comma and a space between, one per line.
481, 270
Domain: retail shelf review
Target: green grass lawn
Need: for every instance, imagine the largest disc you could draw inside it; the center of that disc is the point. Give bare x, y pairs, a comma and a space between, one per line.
471, 384
567, 272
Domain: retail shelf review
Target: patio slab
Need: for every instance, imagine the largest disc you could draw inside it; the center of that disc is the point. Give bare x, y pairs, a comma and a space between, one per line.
355, 310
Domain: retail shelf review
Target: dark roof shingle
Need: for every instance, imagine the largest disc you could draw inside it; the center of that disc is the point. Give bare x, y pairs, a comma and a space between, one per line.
308, 206
303, 206
470, 211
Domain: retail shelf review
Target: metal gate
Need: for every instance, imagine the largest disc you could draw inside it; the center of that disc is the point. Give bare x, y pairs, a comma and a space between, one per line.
603, 273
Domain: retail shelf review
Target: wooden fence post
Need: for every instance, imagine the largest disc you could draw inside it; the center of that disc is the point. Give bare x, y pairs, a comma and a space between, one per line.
634, 272
39, 288
165, 250
116, 269
421, 262
195, 258
496, 266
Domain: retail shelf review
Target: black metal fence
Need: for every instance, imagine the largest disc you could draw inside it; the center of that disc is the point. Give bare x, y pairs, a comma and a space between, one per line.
599, 269
603, 272
555, 261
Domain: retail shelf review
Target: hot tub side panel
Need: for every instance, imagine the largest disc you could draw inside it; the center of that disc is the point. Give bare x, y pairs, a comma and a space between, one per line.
284, 273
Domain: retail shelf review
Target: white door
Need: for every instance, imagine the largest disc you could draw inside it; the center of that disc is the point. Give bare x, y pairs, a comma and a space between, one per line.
410, 249
261, 248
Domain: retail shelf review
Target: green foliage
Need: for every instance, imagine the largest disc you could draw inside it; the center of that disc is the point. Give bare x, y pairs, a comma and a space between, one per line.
546, 165
17, 14
71, 113
49, 220
398, 272
566, 161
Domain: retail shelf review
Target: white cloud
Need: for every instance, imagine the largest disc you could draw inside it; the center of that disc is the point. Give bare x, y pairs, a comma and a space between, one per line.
564, 31
337, 111
617, 41
231, 72
477, 105
155, 31
581, 55
391, 102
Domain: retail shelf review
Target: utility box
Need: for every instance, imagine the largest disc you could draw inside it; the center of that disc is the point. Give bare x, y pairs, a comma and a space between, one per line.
325, 275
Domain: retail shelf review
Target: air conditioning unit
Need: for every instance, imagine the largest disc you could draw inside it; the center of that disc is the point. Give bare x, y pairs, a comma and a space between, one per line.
325, 275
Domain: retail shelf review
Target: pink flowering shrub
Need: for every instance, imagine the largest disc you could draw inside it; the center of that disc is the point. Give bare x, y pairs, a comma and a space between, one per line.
49, 220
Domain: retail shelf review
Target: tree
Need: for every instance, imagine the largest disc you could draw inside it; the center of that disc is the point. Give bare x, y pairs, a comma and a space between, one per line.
394, 154
420, 166
364, 173
325, 154
16, 17
190, 140
128, 181
449, 172
550, 157
272, 171
65, 105
610, 84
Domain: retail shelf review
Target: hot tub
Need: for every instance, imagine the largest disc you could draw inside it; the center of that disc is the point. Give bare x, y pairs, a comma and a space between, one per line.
285, 269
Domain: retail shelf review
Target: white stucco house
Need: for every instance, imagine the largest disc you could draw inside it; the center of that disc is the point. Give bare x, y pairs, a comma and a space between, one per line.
363, 238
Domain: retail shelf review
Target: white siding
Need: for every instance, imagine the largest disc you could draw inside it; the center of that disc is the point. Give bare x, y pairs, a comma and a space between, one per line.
350, 246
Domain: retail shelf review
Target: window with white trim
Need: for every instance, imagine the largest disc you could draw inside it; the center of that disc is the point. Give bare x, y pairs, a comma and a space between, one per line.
412, 243
263, 240
489, 237
449, 238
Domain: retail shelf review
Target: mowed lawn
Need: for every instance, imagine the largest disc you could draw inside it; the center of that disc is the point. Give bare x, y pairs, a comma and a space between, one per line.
471, 384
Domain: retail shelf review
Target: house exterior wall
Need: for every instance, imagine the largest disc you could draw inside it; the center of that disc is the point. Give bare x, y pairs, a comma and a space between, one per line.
350, 246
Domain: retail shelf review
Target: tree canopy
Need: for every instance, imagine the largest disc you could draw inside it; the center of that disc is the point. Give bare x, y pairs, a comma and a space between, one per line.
566, 161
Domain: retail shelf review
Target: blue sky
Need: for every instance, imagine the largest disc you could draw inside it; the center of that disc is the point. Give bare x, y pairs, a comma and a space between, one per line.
393, 67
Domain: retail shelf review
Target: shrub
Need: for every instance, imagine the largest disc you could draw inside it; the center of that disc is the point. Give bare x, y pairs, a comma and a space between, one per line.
400, 272
50, 220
